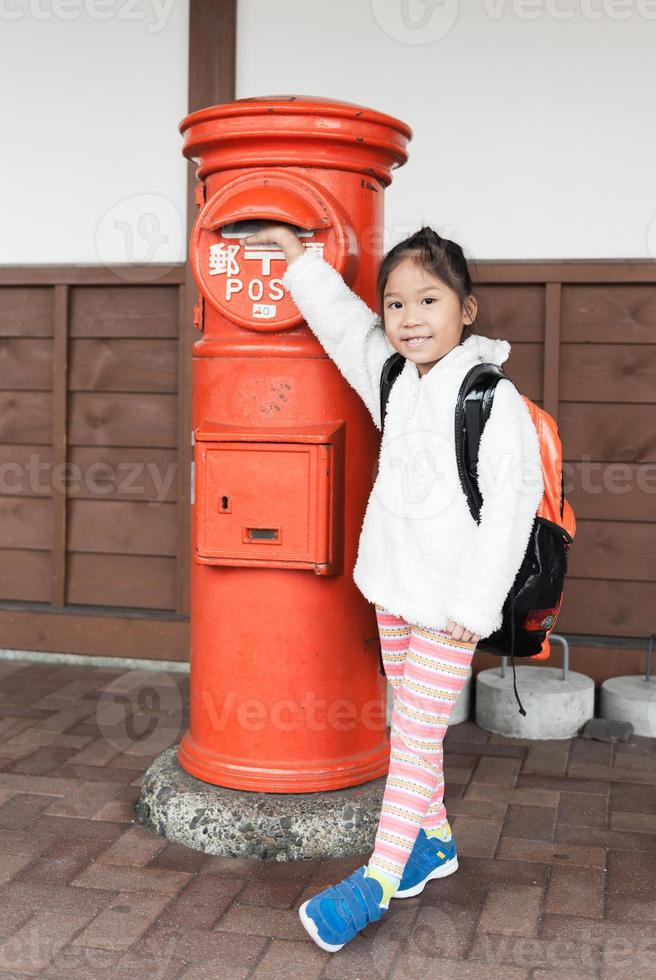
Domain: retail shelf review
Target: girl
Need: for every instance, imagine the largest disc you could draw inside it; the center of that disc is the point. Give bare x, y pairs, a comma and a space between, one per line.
437, 579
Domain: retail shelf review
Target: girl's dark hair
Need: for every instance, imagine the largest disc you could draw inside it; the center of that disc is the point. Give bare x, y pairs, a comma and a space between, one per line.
439, 256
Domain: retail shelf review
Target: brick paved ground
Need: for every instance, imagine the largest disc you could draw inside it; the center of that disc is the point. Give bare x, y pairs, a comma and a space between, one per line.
556, 841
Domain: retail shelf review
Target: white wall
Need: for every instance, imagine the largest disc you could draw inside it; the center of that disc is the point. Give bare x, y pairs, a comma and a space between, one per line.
533, 121
91, 170
533, 137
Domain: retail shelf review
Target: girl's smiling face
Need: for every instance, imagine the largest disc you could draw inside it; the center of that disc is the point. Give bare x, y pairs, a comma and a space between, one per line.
422, 315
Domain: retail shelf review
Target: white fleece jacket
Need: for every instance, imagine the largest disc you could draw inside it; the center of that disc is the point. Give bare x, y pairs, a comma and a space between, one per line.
421, 555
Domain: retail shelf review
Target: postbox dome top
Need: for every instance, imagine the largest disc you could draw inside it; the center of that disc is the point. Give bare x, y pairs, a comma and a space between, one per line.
288, 130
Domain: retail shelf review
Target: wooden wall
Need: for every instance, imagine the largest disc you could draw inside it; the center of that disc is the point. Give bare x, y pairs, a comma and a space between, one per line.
94, 372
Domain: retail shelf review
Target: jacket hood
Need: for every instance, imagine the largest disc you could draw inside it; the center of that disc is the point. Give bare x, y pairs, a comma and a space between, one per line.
487, 350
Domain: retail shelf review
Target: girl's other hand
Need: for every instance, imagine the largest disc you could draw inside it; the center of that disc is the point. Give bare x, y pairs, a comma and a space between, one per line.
278, 234
459, 632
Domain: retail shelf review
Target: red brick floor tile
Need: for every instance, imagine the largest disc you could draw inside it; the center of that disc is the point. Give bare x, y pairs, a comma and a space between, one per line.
123, 921
61, 862
627, 797
632, 874
250, 920
474, 750
271, 893
548, 758
583, 809
38, 940
514, 848
123, 878
467, 731
239, 867
289, 960
622, 908
223, 953
475, 837
103, 830
459, 888
639, 823
576, 891
500, 953
513, 794
497, 869
373, 951
529, 822
177, 857
591, 750
512, 910
567, 783
595, 836
21, 809
496, 770
136, 847
42, 762
202, 902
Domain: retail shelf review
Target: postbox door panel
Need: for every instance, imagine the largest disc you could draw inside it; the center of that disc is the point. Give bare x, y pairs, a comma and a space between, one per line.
265, 504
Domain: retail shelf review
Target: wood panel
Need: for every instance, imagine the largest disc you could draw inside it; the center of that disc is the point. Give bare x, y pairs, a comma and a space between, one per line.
121, 527
613, 433
135, 365
98, 631
622, 373
608, 607
129, 581
125, 311
120, 419
25, 576
26, 311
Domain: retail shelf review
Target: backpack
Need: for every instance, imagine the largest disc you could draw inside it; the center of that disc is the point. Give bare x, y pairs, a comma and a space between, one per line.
533, 604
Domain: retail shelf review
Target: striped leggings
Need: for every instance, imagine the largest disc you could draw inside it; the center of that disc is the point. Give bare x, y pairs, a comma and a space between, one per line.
427, 670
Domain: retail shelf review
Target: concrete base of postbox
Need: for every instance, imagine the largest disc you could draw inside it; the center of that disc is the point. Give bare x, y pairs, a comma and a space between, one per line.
240, 823
630, 698
555, 707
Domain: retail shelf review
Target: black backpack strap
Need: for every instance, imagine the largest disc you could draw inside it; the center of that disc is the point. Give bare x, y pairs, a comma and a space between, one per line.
473, 407
391, 370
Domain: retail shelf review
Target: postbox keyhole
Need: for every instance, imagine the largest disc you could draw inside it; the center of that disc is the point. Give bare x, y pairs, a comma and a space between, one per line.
224, 503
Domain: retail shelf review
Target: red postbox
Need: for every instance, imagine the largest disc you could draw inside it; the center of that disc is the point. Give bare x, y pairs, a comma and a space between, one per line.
286, 694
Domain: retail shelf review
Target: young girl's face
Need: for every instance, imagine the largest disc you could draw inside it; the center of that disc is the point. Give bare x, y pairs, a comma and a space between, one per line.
417, 305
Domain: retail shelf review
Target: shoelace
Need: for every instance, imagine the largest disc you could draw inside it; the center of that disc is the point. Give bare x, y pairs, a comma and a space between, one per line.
346, 893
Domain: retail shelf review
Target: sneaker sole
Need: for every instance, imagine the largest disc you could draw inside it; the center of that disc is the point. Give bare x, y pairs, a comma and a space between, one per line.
310, 927
444, 869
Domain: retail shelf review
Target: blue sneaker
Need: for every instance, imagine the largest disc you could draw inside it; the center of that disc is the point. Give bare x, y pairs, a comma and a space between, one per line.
430, 858
337, 914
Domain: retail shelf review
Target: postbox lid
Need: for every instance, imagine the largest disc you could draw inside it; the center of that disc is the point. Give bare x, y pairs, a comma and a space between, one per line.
295, 130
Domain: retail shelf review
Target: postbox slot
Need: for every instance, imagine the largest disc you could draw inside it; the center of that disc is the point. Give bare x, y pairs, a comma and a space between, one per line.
270, 534
240, 229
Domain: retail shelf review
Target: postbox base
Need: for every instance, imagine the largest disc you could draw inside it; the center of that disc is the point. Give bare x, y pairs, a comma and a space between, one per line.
264, 826
350, 771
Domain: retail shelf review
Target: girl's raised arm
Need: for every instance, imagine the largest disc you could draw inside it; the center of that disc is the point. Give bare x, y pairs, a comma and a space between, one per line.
349, 332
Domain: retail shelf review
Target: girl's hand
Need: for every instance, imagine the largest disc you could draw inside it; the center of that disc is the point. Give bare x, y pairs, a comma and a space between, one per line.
278, 234
460, 633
